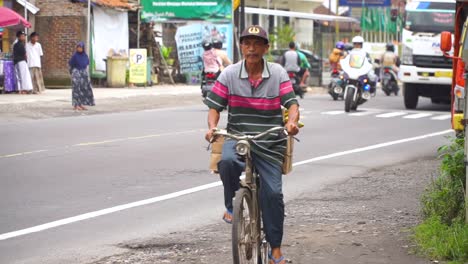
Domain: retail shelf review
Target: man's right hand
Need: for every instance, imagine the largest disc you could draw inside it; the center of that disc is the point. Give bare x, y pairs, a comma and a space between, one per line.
209, 135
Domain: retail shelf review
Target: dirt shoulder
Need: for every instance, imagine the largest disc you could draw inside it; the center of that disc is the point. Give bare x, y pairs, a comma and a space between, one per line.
63, 108
366, 219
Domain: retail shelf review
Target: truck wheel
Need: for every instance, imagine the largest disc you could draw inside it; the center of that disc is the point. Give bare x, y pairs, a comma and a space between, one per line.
411, 96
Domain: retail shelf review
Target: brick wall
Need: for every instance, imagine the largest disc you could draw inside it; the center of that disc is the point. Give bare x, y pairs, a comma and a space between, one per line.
61, 24
59, 36
60, 8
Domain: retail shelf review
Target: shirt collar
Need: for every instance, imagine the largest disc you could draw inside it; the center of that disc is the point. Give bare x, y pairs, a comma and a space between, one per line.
245, 75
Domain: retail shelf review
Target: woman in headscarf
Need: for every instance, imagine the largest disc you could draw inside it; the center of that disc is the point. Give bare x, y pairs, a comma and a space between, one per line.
82, 93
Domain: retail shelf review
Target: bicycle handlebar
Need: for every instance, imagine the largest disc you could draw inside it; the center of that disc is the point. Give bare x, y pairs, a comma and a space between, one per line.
223, 132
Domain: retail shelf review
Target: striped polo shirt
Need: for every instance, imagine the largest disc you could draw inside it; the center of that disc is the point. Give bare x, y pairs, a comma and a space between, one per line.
254, 108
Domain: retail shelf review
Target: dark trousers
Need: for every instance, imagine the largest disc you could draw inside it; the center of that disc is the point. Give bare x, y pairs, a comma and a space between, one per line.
271, 195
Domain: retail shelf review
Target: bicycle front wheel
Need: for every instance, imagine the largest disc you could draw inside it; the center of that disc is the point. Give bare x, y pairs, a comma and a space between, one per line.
245, 230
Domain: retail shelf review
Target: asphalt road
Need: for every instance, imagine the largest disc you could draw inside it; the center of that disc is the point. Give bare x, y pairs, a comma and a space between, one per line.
59, 175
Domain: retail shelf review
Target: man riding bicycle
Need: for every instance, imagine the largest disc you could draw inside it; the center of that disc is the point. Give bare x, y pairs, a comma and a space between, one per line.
254, 90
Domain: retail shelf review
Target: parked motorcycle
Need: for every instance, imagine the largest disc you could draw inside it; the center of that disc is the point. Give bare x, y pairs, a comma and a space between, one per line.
356, 67
295, 83
389, 82
207, 83
336, 86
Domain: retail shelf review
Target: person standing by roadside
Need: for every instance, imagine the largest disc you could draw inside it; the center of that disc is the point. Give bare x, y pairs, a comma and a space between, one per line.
82, 93
34, 54
21, 65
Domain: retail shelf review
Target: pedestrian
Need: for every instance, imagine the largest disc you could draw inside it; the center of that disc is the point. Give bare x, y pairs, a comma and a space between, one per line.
21, 65
254, 90
82, 92
34, 54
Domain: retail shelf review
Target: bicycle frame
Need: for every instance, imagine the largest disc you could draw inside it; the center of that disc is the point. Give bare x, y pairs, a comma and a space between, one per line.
250, 183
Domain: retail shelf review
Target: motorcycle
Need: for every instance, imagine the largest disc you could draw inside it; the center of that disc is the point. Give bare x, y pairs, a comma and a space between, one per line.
336, 86
295, 83
389, 82
207, 83
358, 89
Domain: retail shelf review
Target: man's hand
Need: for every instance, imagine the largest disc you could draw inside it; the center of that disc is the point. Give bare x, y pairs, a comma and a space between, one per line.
209, 135
293, 118
292, 128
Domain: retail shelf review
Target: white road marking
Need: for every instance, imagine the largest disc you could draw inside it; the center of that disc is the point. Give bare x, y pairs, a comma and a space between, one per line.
199, 188
333, 113
442, 117
23, 153
361, 113
417, 116
392, 114
84, 144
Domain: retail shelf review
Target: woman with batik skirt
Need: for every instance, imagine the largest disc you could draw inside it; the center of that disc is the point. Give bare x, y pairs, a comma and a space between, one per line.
82, 92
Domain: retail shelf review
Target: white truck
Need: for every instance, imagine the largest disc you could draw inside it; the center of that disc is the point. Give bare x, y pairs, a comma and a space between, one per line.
424, 70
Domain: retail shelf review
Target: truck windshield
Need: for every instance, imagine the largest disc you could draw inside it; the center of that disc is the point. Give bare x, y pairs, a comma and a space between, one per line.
433, 17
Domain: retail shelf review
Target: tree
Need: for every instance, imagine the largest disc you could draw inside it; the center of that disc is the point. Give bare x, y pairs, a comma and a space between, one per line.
281, 36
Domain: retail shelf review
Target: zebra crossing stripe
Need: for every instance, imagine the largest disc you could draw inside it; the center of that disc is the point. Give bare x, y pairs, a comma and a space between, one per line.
361, 114
333, 113
442, 117
416, 116
392, 114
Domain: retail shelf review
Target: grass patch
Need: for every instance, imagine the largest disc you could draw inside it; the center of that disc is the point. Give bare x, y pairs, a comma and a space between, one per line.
443, 234
438, 240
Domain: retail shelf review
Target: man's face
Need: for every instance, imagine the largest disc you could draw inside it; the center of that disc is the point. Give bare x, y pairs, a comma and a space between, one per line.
22, 37
357, 45
35, 38
253, 49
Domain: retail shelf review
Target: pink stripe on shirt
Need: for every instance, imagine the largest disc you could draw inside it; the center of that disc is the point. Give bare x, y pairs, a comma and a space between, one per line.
220, 90
285, 88
255, 103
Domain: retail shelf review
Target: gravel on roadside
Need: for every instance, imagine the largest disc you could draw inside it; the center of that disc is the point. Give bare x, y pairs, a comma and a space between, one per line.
365, 219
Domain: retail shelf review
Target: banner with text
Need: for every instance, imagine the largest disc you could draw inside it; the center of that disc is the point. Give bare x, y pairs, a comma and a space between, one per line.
365, 3
189, 39
173, 10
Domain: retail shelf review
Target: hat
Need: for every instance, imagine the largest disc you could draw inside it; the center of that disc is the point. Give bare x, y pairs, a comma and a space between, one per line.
255, 31
19, 33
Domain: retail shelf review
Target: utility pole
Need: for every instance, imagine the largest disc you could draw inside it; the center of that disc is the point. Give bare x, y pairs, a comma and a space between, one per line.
88, 31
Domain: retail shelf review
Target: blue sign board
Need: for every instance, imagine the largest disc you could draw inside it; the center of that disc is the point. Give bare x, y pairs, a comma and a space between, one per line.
365, 3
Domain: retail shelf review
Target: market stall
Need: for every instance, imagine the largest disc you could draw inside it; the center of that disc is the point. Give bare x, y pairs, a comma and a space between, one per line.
9, 18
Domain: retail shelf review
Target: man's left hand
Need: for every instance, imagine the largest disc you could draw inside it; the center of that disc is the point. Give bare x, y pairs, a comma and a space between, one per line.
292, 128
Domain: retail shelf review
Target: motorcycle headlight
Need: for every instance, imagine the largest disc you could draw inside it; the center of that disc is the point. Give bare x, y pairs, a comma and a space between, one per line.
407, 55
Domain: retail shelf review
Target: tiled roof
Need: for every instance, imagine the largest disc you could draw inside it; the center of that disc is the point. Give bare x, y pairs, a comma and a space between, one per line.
118, 4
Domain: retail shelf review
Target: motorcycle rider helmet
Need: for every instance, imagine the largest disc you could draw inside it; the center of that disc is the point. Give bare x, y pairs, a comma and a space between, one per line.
340, 45
348, 46
358, 39
207, 45
390, 47
217, 44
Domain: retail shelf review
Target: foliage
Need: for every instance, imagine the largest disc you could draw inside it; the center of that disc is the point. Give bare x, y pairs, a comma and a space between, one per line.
281, 36
443, 233
166, 52
445, 196
440, 241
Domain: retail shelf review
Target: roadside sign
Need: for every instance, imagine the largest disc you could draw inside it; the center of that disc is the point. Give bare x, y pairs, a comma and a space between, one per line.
181, 10
138, 65
365, 3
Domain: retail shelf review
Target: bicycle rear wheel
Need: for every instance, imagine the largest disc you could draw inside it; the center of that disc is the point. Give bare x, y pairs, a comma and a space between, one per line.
245, 230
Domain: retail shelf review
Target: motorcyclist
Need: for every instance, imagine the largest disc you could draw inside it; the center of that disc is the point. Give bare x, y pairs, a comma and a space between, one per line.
218, 46
390, 60
336, 55
358, 44
211, 62
291, 60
